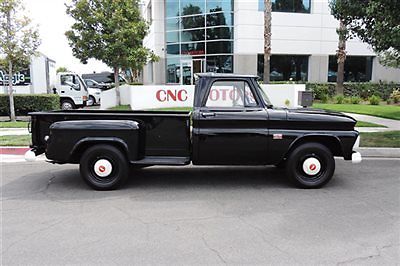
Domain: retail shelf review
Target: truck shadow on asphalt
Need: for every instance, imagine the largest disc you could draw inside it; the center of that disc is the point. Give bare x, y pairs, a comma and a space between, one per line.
67, 184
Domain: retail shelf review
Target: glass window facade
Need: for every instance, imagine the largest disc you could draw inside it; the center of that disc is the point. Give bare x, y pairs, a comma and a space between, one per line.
356, 68
294, 6
285, 67
198, 29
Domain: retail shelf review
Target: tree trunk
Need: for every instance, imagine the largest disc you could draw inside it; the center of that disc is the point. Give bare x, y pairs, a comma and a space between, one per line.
11, 92
116, 82
341, 58
267, 40
10, 71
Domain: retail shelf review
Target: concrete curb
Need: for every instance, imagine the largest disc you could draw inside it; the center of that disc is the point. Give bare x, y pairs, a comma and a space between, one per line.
13, 150
380, 152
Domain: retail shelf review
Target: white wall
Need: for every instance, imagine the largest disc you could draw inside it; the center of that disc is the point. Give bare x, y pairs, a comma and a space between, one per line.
163, 96
278, 94
292, 33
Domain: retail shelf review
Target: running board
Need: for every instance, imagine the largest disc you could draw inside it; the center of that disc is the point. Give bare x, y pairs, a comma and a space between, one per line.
162, 160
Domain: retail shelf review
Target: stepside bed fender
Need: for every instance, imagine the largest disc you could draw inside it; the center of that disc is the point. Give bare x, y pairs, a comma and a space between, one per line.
69, 139
86, 142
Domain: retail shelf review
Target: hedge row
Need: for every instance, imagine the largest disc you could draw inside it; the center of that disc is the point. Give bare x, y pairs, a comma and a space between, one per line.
25, 103
362, 90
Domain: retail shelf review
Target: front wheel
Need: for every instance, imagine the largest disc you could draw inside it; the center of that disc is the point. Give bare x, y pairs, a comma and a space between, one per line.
67, 104
104, 167
310, 165
92, 101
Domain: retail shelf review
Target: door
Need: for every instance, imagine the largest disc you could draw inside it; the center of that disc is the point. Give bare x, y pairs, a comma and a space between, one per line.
199, 66
71, 87
231, 126
187, 73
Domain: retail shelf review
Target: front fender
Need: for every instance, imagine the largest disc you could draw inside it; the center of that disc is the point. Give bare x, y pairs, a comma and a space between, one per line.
340, 143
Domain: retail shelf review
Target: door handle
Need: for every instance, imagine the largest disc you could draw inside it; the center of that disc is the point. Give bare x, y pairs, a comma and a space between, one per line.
207, 114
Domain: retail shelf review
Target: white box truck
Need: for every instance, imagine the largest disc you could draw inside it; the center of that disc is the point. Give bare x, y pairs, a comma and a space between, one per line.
41, 77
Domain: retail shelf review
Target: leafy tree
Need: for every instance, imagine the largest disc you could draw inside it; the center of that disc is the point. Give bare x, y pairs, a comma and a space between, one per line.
267, 40
375, 22
62, 69
18, 42
111, 31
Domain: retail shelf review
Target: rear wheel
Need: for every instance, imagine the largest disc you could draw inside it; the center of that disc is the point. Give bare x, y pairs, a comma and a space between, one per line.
67, 104
310, 165
104, 167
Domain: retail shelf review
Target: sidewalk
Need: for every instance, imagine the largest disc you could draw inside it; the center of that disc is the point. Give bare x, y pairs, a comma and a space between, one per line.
390, 124
19, 118
13, 131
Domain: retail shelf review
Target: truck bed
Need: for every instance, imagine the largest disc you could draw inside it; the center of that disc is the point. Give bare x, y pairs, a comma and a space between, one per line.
166, 133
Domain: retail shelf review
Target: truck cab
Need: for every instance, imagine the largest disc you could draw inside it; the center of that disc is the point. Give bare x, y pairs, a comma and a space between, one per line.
71, 89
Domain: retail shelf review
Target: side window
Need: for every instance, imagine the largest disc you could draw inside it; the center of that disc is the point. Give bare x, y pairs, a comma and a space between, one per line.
231, 94
68, 80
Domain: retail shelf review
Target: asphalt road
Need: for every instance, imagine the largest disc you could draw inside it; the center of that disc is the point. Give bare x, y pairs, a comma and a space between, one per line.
200, 215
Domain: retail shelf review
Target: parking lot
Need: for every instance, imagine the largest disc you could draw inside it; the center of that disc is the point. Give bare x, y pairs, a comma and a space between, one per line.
201, 215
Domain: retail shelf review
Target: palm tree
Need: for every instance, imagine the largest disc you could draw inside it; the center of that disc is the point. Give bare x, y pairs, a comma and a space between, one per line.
267, 39
341, 56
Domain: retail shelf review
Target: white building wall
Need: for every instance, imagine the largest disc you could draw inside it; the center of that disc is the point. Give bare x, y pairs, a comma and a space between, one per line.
292, 33
155, 40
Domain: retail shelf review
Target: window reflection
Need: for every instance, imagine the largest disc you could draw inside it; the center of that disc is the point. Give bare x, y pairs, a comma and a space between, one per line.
220, 64
172, 7
173, 49
172, 36
172, 24
219, 19
297, 6
193, 35
219, 47
219, 33
356, 68
221, 5
285, 67
192, 22
173, 70
192, 48
191, 7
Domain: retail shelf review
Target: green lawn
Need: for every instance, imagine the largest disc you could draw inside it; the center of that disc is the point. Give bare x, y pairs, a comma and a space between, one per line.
186, 109
367, 124
14, 140
385, 111
18, 124
121, 107
380, 139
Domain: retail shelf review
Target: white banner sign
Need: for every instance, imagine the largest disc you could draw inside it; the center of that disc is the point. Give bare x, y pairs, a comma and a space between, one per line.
164, 96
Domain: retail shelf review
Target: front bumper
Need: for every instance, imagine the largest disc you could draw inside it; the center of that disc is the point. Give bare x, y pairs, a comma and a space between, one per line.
356, 157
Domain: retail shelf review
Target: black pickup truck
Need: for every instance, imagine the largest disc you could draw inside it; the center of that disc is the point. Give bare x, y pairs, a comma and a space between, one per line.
232, 123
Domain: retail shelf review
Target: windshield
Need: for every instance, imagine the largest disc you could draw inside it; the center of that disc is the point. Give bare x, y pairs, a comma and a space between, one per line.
264, 96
